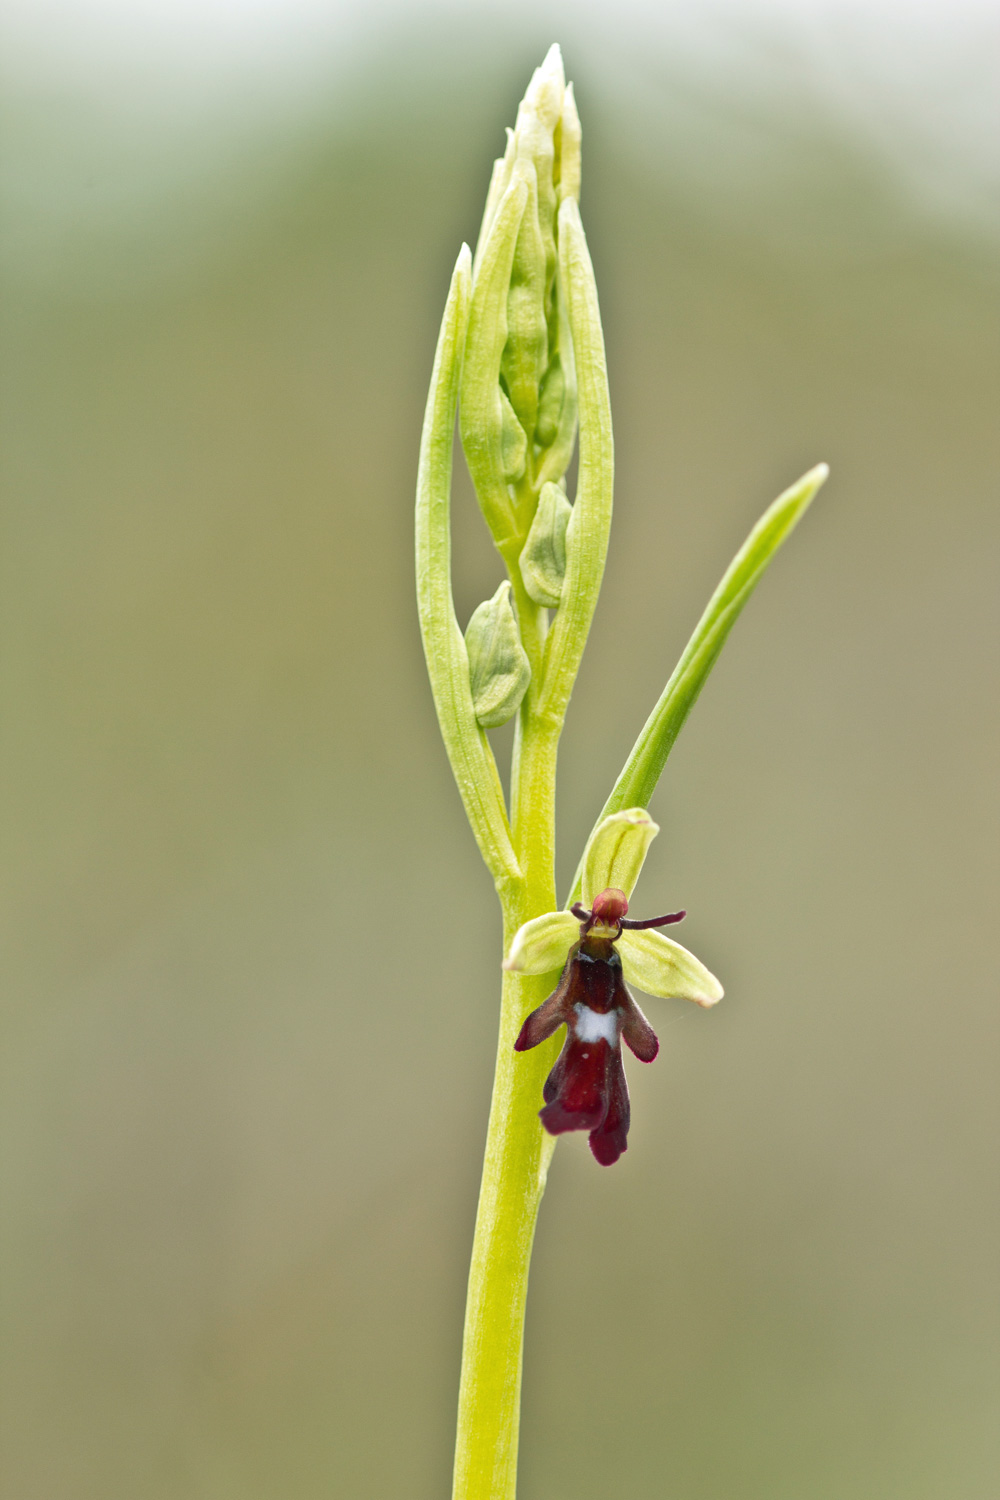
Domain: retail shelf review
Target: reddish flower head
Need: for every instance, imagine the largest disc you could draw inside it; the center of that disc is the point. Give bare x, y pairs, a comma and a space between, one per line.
586, 1089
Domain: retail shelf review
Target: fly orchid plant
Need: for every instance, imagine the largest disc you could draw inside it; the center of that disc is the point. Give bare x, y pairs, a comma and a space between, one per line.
520, 358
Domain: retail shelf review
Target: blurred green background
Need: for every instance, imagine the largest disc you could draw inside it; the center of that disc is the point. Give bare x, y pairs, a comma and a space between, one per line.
250, 957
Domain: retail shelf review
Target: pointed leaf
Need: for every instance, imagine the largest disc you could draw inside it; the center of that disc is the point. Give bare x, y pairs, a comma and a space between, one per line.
587, 535
444, 647
480, 416
641, 772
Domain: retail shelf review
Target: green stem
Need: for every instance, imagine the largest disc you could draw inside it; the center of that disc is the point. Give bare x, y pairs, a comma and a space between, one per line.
518, 1151
519, 849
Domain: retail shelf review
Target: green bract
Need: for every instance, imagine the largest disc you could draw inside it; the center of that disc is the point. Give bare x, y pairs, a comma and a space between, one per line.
520, 360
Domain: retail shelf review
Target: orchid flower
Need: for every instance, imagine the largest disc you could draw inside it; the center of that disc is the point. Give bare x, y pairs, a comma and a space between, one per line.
599, 948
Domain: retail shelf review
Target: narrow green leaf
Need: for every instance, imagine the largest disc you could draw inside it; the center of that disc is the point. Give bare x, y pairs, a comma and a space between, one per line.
590, 523
444, 646
481, 415
641, 772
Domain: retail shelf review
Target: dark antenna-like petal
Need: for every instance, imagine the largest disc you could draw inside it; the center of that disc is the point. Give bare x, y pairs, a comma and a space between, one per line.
672, 916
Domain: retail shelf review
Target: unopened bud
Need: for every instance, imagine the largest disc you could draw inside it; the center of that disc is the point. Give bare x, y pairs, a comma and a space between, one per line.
499, 671
543, 559
516, 262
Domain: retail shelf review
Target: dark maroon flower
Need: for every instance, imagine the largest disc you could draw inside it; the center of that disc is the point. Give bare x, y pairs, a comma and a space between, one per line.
586, 1089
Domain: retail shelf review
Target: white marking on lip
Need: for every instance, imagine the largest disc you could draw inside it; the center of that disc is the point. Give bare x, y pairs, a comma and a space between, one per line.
592, 1026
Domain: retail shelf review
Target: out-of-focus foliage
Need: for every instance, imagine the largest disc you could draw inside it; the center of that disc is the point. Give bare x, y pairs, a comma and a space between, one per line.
240, 1166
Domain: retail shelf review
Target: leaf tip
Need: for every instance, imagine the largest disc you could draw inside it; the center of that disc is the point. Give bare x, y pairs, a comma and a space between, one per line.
812, 481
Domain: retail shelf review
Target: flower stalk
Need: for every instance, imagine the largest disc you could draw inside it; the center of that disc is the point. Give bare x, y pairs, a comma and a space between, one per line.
520, 361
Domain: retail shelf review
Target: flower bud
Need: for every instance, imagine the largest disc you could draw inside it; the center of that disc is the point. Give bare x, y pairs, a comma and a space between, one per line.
518, 401
499, 671
541, 124
543, 559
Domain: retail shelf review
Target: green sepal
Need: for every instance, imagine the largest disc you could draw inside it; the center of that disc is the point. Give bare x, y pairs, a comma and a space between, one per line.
543, 558
616, 852
542, 944
499, 670
659, 966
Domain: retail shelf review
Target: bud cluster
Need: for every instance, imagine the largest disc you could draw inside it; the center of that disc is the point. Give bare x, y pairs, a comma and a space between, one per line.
518, 398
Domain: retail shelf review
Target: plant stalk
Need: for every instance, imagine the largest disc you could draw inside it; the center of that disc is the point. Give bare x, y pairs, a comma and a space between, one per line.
518, 1153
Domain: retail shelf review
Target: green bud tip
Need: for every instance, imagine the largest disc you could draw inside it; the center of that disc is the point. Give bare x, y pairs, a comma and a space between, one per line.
499, 671
543, 558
